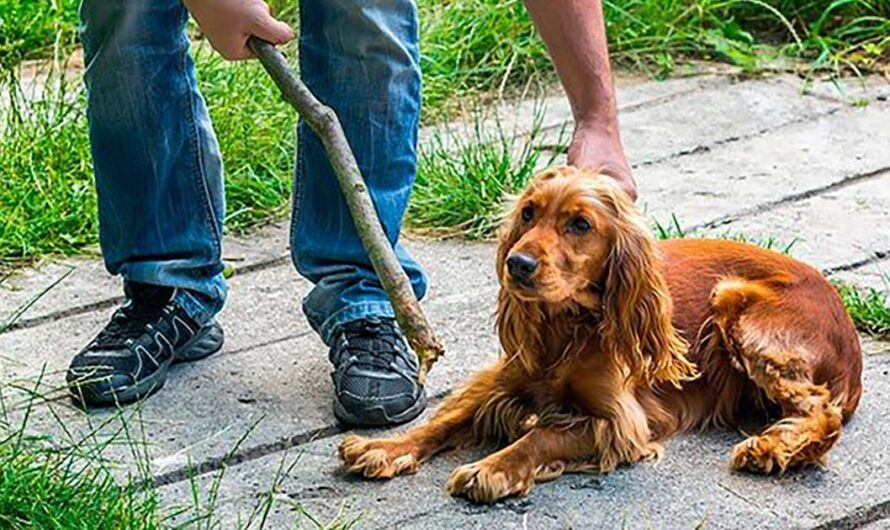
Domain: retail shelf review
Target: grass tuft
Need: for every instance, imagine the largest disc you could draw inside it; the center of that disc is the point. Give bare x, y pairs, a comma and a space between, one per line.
463, 182
869, 308
43, 488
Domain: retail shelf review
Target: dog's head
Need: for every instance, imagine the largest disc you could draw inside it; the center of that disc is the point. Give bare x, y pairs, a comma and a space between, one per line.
575, 241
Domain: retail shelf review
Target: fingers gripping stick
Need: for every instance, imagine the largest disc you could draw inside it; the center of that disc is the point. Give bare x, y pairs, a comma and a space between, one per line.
323, 121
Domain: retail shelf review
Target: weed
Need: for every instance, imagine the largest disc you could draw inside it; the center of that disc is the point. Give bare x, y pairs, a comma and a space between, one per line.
869, 308
462, 184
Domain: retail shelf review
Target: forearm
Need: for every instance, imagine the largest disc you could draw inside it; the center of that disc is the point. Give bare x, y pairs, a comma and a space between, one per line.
574, 32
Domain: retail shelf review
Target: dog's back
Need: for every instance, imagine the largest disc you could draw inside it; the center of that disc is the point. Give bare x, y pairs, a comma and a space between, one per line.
759, 325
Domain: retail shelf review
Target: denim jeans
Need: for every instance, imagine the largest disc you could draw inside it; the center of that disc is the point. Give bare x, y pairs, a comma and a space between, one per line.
159, 173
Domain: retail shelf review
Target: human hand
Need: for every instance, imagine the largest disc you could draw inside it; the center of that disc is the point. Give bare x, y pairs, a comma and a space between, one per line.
596, 148
229, 23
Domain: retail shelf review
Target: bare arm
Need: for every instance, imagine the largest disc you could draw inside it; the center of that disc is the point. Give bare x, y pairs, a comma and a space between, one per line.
575, 34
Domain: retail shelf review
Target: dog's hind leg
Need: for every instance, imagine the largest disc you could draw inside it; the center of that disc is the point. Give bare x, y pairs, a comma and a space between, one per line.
811, 422
769, 346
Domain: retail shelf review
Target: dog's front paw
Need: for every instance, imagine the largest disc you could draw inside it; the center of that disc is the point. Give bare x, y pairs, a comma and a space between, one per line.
380, 459
764, 454
487, 481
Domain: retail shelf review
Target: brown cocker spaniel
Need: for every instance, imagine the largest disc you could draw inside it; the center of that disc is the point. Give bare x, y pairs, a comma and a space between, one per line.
613, 342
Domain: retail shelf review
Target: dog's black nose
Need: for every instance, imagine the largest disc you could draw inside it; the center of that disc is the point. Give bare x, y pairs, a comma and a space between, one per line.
521, 266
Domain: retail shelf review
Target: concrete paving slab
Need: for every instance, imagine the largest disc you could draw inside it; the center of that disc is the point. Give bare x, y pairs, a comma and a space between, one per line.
692, 486
656, 127
273, 366
78, 285
697, 121
740, 177
832, 229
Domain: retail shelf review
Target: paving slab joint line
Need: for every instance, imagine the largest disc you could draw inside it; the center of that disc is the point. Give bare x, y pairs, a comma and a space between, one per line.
788, 199
858, 518
106, 303
704, 148
259, 451
876, 256
214, 464
707, 84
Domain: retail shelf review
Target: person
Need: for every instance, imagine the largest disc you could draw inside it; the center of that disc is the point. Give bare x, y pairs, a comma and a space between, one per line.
159, 180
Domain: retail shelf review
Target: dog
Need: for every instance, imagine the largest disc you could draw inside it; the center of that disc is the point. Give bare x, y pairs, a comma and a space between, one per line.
612, 342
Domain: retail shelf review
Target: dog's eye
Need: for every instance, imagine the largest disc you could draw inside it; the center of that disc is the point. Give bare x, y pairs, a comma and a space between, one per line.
528, 213
579, 225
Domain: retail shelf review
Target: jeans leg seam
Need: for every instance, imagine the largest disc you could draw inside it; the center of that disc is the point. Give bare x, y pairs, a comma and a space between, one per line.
297, 208
209, 215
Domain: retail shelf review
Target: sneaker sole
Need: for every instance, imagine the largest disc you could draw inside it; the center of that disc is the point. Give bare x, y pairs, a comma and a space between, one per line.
376, 417
207, 342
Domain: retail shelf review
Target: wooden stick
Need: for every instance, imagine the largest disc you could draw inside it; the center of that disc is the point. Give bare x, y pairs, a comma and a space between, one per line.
324, 122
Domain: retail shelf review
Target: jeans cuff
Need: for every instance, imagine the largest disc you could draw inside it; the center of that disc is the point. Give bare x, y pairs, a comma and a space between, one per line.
349, 313
201, 309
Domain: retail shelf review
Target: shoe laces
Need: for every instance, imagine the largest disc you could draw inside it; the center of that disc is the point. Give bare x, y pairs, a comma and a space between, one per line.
375, 342
126, 324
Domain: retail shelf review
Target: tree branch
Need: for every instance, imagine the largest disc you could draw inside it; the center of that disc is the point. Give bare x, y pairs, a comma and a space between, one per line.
323, 120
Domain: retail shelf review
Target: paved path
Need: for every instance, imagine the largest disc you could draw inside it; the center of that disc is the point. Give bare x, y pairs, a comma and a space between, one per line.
757, 158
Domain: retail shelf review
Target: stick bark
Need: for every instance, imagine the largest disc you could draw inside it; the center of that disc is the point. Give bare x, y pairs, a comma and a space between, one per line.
324, 122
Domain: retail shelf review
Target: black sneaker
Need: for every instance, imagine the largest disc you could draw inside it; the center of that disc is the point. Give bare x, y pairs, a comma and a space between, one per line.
375, 374
129, 359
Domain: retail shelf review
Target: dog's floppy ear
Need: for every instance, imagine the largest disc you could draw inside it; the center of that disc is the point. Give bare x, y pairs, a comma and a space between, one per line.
636, 325
518, 321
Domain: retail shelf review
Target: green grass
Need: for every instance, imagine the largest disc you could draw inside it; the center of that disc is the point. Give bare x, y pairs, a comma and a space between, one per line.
462, 183
472, 50
30, 29
49, 204
46, 489
869, 308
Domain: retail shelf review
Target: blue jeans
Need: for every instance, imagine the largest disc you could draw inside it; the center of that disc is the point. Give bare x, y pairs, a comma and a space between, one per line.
159, 173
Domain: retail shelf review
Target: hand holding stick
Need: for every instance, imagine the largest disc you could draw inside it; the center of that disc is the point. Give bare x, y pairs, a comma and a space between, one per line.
323, 121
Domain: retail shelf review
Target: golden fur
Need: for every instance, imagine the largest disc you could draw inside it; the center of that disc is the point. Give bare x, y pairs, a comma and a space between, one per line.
615, 342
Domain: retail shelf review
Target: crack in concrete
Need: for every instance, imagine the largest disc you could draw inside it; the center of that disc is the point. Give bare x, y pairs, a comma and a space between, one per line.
263, 344
704, 148
413, 517
793, 198
859, 517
